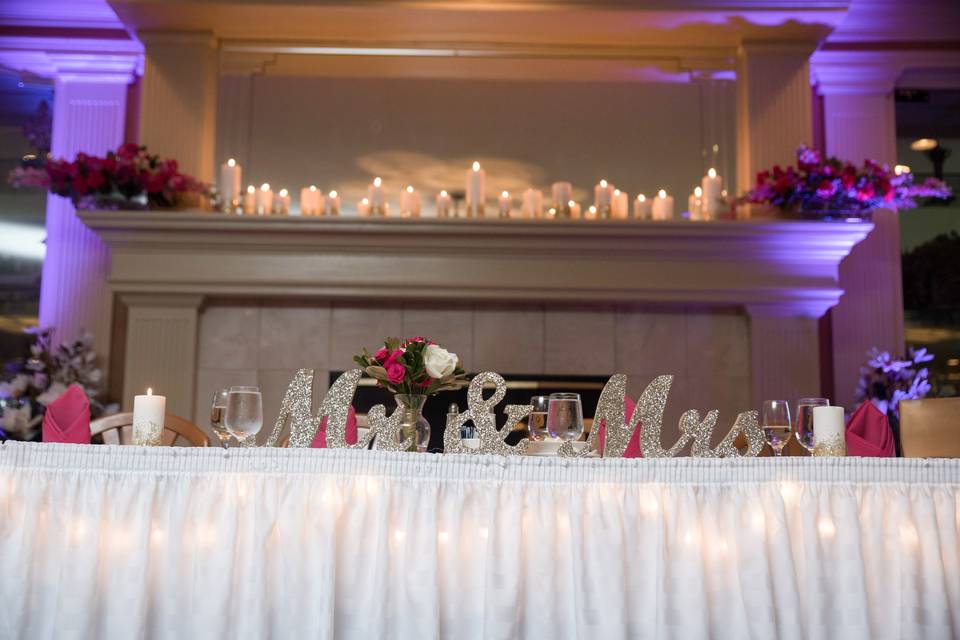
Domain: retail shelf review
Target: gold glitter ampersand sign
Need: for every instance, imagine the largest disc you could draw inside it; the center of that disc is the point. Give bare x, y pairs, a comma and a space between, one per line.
480, 412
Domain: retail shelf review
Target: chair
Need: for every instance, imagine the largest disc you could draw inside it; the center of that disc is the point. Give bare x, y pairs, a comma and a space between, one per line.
118, 429
930, 428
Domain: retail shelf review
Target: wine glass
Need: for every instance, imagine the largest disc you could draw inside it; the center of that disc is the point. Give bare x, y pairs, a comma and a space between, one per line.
244, 415
804, 428
565, 416
775, 416
537, 421
218, 410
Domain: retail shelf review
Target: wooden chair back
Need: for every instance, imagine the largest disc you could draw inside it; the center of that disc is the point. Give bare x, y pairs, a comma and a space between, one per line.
118, 429
930, 428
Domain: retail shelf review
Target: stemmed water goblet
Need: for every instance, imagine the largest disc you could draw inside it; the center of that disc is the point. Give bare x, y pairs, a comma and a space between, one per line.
804, 426
244, 415
775, 418
565, 416
218, 410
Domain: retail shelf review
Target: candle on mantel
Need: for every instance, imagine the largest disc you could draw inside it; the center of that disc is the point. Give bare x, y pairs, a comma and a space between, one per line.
591, 213
410, 203
476, 190
603, 197
712, 186
532, 203
663, 206
444, 202
363, 208
695, 204
264, 200
574, 209
281, 204
377, 195
311, 201
642, 208
250, 201
621, 206
504, 204
333, 203
148, 418
551, 213
562, 193
230, 185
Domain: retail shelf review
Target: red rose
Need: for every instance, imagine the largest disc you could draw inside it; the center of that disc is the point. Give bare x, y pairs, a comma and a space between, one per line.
783, 184
95, 180
396, 372
155, 182
80, 185
381, 355
128, 151
110, 165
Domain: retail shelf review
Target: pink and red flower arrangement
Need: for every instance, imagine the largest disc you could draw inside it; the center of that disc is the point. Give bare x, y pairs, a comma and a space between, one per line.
126, 178
829, 186
415, 366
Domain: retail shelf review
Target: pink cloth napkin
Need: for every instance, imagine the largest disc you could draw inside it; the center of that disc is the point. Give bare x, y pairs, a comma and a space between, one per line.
320, 440
869, 434
67, 419
633, 447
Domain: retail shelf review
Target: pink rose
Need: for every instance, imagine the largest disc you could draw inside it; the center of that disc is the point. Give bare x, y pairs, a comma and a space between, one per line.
393, 358
381, 355
396, 372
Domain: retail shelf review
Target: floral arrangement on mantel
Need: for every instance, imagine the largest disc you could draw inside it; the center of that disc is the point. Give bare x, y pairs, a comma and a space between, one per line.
28, 385
822, 188
128, 178
415, 366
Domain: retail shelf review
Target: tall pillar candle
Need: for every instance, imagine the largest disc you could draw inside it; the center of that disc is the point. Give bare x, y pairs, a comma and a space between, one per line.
663, 206
264, 200
230, 185
332, 203
695, 204
476, 190
410, 203
712, 186
603, 198
148, 417
642, 208
562, 193
311, 201
504, 204
621, 205
532, 203
377, 195
574, 209
281, 204
829, 430
444, 202
250, 201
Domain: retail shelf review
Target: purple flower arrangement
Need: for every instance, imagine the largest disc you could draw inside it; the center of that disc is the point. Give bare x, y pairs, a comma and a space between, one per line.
885, 380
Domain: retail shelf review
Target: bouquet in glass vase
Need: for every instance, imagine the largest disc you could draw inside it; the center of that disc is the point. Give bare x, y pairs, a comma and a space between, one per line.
413, 369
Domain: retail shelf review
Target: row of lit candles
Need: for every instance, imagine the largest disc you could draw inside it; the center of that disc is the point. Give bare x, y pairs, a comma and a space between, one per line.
609, 202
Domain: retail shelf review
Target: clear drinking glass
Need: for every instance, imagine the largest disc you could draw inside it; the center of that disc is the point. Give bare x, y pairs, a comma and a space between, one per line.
537, 422
244, 415
565, 416
775, 418
804, 428
218, 410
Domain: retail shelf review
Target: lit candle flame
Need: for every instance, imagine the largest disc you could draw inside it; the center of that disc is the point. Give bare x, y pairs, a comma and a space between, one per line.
313, 187
697, 191
409, 188
377, 181
616, 192
333, 194
592, 209
231, 162
504, 195
365, 201
283, 193
251, 189
443, 193
603, 184
571, 203
265, 186
642, 198
476, 166
149, 391
712, 173
662, 193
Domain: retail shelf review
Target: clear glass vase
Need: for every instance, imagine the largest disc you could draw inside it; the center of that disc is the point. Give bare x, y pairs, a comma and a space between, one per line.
413, 424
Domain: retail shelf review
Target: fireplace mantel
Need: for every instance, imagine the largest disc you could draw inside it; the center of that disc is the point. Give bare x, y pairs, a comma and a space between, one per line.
165, 265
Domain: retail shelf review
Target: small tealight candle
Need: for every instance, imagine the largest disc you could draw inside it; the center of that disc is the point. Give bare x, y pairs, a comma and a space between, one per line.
281, 204
148, 418
591, 213
230, 184
410, 203
250, 201
333, 203
444, 202
574, 208
829, 432
504, 204
642, 208
264, 200
476, 186
695, 204
712, 186
363, 208
551, 213
663, 206
621, 206
532, 203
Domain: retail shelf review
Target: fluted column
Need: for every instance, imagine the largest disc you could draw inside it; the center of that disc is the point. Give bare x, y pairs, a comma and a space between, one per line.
179, 98
88, 116
784, 352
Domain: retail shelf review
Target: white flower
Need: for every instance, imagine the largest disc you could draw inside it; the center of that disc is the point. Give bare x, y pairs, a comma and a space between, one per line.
438, 361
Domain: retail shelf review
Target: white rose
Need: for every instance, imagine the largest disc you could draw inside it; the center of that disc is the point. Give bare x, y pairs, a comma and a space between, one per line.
438, 361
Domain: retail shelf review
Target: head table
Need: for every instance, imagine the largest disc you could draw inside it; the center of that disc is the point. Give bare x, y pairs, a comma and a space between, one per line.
111, 542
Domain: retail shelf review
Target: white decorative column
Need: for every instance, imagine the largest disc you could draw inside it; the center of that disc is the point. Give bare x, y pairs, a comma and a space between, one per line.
178, 111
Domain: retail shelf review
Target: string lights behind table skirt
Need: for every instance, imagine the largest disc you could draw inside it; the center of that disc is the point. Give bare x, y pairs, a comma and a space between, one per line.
102, 541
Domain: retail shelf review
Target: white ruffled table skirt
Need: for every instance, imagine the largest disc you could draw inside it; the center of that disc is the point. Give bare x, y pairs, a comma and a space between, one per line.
131, 542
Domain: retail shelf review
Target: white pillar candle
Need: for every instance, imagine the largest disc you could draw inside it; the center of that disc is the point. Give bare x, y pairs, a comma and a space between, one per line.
574, 208
603, 197
829, 432
591, 213
377, 195
550, 214
264, 200
311, 201
332, 203
712, 186
532, 203
444, 202
695, 204
621, 205
410, 203
230, 184
250, 201
281, 204
363, 208
562, 193
148, 417
663, 206
504, 204
476, 190
642, 208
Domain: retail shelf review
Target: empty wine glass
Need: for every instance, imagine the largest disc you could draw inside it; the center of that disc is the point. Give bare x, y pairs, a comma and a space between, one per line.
244, 414
775, 417
565, 416
537, 422
218, 410
804, 428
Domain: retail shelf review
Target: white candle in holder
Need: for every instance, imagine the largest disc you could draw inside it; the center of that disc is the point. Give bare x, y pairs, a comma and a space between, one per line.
621, 206
476, 190
562, 192
504, 204
642, 208
829, 430
574, 208
281, 204
444, 202
410, 203
250, 201
532, 203
695, 204
264, 200
663, 206
603, 196
311, 201
363, 208
591, 213
712, 186
230, 184
332, 203
148, 417
377, 195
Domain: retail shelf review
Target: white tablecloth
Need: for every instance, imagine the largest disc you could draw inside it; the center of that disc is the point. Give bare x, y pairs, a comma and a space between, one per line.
130, 542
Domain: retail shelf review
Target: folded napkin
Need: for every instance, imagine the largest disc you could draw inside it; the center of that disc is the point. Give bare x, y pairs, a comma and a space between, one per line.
869, 434
320, 440
633, 447
67, 418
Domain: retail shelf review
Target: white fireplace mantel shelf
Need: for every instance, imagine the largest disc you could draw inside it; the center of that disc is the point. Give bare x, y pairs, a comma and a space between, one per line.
787, 265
